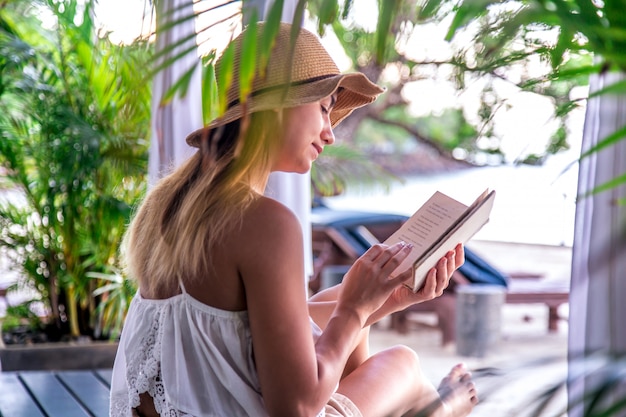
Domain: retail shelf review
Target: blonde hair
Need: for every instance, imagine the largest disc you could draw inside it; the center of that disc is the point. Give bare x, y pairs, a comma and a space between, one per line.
190, 211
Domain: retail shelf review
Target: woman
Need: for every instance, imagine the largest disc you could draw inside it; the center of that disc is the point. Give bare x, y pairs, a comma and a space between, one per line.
221, 325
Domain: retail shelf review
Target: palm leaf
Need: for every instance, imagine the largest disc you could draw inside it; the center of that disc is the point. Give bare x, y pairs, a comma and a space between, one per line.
340, 166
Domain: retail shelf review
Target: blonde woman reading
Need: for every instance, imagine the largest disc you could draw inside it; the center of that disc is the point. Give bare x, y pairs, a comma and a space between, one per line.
221, 324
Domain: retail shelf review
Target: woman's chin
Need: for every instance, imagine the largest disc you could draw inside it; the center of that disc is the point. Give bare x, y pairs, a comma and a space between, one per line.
295, 169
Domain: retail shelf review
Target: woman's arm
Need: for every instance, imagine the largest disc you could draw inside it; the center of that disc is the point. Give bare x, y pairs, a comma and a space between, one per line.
298, 375
322, 303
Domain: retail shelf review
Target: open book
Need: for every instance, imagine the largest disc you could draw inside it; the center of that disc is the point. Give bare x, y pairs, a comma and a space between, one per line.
436, 228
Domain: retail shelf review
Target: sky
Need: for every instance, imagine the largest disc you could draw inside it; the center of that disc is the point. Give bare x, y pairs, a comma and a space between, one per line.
123, 18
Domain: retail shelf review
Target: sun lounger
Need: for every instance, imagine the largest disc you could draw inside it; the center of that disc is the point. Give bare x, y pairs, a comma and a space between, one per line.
340, 237
539, 290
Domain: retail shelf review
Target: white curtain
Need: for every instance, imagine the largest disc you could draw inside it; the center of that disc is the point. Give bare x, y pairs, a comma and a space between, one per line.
294, 191
598, 286
171, 123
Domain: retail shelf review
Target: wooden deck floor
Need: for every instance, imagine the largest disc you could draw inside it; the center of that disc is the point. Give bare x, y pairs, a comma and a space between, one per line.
55, 393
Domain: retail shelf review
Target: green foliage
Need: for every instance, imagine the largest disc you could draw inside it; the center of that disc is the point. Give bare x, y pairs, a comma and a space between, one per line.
485, 55
21, 315
499, 38
601, 373
116, 298
577, 37
449, 129
340, 166
580, 25
387, 11
74, 117
392, 138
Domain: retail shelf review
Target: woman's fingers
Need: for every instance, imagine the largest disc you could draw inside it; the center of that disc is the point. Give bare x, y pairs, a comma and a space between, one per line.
460, 255
387, 257
438, 278
373, 253
367, 285
430, 283
445, 267
451, 263
436, 281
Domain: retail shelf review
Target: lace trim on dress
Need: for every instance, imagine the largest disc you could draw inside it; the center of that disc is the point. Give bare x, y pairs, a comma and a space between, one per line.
119, 406
143, 374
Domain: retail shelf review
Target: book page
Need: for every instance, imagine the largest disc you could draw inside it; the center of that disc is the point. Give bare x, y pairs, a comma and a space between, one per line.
426, 226
475, 217
436, 228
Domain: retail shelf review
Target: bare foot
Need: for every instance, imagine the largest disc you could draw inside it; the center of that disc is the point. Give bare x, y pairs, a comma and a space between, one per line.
457, 393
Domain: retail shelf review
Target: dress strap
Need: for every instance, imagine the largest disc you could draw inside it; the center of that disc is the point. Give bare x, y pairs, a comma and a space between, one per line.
182, 286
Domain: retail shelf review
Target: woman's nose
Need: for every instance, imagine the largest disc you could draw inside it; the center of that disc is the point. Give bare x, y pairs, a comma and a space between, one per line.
327, 135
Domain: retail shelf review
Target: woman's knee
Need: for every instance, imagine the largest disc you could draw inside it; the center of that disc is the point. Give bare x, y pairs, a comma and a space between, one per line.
402, 352
403, 360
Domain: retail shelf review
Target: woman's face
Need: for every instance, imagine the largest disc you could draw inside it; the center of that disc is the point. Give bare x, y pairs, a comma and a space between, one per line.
306, 130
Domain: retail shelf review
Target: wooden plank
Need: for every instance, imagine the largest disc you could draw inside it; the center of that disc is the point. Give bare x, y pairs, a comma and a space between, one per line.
88, 389
52, 395
552, 293
106, 375
15, 400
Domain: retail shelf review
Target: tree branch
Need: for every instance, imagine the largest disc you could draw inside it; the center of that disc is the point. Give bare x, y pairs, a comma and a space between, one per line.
438, 149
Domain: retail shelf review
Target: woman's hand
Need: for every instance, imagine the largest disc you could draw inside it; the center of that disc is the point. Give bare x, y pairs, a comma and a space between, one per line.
367, 285
437, 280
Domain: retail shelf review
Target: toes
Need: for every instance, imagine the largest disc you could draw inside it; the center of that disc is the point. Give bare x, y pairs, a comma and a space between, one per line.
458, 390
458, 371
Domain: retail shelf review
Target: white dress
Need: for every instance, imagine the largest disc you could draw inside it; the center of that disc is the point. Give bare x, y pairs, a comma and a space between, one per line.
193, 360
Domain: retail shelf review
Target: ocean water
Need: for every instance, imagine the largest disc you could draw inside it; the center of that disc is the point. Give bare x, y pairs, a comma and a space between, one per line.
534, 204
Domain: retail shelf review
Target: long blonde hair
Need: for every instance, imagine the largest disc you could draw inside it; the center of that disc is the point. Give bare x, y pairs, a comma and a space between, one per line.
189, 211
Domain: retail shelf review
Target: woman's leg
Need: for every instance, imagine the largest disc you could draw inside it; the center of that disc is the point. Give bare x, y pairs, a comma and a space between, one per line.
360, 354
391, 383
321, 307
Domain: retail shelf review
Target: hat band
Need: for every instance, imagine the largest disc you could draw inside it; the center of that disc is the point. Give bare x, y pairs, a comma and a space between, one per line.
279, 86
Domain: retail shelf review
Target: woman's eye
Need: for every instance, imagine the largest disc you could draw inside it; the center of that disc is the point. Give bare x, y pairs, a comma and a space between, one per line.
324, 109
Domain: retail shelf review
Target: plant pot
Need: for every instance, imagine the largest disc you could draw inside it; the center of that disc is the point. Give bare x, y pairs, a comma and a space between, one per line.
58, 356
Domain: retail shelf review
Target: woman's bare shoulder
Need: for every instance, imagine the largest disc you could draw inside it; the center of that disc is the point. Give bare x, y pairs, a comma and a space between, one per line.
269, 227
267, 213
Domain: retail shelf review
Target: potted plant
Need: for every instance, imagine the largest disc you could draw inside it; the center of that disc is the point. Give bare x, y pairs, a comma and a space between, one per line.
74, 118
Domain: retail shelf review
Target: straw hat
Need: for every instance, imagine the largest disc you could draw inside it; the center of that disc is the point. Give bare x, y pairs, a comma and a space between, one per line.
314, 75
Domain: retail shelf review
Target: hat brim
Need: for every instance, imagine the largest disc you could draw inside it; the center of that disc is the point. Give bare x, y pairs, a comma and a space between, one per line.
354, 90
